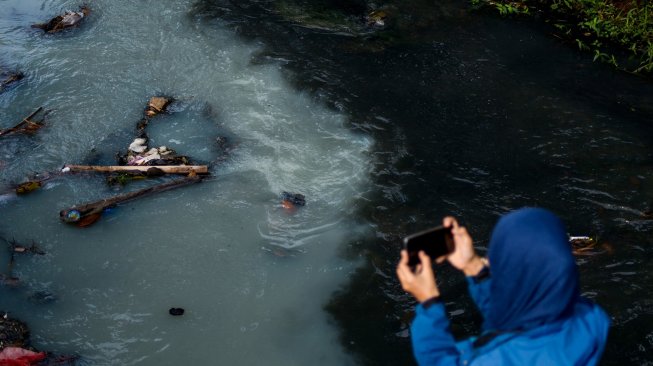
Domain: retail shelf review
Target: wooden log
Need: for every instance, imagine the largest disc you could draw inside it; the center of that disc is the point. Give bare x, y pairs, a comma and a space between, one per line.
87, 214
168, 169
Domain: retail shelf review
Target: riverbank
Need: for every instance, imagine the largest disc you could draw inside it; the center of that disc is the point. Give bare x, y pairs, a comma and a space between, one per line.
619, 32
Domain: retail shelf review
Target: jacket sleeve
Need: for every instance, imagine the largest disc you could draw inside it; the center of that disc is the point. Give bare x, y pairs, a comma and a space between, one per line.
480, 293
433, 343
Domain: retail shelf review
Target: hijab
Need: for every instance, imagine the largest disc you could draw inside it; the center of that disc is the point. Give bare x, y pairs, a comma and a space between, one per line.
534, 274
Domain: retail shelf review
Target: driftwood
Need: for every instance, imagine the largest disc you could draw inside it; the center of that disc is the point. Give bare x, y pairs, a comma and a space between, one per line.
69, 19
26, 125
87, 214
167, 169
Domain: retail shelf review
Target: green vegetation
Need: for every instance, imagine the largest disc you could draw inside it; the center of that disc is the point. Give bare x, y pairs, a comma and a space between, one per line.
616, 31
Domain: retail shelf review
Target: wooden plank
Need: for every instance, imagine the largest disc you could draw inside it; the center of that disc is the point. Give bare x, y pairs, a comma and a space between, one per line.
168, 169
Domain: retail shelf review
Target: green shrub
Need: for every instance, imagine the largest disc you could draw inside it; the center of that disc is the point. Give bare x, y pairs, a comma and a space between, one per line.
618, 32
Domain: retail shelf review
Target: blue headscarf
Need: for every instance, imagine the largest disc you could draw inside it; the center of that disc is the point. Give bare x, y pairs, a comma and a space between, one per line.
534, 275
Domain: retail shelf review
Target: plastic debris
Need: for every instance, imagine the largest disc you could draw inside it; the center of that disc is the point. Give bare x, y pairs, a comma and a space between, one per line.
16, 356
583, 245
157, 105
28, 187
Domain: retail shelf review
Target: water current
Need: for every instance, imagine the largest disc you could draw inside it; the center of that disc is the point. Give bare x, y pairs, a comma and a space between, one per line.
444, 111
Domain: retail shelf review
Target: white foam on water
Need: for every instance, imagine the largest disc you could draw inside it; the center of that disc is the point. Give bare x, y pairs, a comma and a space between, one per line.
252, 277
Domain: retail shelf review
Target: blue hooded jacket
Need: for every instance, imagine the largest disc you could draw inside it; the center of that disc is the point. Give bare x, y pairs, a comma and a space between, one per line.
532, 309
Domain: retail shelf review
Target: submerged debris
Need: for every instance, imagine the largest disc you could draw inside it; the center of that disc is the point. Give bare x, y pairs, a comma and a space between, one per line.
42, 297
587, 246
13, 332
8, 78
294, 199
28, 125
376, 18
17, 248
139, 154
155, 106
9, 281
28, 187
34, 183
68, 20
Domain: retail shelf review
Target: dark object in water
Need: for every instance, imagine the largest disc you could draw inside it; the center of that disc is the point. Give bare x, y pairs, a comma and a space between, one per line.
13, 332
584, 246
6, 79
42, 297
68, 20
176, 311
293, 198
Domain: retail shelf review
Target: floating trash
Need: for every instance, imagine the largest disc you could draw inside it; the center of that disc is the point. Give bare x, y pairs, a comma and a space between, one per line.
176, 311
72, 216
69, 19
28, 187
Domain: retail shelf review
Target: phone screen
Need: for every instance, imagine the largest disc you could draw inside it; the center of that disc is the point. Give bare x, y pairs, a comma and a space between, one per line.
435, 242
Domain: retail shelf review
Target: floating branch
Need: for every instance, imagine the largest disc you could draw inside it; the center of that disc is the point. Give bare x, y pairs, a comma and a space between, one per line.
87, 214
27, 125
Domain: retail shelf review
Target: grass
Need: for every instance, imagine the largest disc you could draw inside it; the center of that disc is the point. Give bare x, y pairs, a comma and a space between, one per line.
619, 32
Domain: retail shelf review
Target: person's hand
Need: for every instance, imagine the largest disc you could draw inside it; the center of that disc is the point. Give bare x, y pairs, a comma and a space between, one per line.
421, 283
463, 257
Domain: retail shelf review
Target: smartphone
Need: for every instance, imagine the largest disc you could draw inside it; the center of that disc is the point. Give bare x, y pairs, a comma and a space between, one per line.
435, 242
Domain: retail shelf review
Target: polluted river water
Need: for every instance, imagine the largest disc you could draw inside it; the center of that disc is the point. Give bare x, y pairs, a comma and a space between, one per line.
252, 277
385, 130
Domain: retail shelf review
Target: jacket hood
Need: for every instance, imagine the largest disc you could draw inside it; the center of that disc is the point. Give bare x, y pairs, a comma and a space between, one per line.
534, 274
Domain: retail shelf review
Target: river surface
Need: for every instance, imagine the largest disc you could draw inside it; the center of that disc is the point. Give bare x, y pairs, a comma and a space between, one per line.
384, 131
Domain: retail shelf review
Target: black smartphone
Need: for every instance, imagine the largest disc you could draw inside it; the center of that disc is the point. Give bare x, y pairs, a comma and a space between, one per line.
435, 242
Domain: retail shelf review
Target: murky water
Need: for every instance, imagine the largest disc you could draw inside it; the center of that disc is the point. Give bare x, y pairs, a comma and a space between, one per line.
252, 277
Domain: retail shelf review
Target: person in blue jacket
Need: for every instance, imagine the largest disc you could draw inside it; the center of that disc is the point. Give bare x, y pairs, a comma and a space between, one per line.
527, 291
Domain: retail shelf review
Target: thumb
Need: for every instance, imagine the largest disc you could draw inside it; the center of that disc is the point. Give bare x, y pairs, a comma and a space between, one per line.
426, 262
